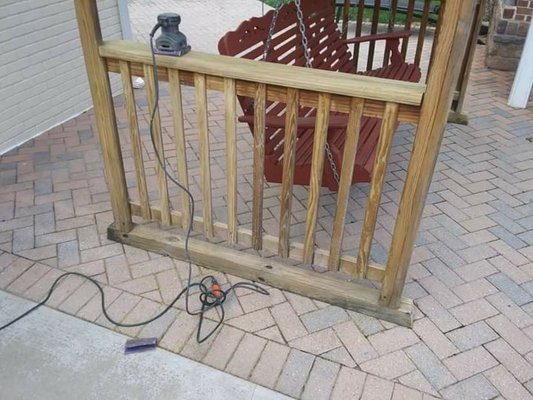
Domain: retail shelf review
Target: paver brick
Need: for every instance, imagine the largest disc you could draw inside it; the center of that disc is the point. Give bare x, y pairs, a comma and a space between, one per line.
377, 389
223, 347
511, 334
288, 322
474, 311
28, 278
430, 366
318, 342
246, 356
471, 336
393, 339
476, 387
355, 342
389, 366
295, 372
508, 308
508, 386
434, 338
270, 364
511, 360
510, 288
470, 362
404, 393
182, 328
349, 384
321, 380
438, 314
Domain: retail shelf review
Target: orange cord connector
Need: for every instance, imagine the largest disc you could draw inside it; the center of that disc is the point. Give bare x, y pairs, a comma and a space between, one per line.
216, 289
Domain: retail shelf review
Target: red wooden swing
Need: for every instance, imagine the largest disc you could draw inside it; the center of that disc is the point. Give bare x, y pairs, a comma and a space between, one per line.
282, 42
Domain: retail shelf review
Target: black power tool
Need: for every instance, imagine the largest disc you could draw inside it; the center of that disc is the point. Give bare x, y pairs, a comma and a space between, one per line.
171, 42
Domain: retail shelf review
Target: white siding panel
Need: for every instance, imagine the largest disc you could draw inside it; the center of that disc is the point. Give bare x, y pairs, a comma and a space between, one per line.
43, 81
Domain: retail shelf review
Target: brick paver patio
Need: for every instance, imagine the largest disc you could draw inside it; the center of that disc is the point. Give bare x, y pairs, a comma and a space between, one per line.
471, 273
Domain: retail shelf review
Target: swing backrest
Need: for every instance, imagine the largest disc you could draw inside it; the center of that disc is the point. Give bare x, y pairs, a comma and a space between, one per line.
327, 49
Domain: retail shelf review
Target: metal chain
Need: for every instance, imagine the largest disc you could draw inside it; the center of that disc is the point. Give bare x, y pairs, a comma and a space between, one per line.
308, 64
332, 164
271, 29
301, 26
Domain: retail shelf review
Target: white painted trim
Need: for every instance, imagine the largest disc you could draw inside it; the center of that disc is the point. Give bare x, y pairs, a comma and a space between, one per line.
21, 139
124, 16
523, 81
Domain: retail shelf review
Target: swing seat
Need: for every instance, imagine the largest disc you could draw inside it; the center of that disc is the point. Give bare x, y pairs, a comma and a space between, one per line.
328, 51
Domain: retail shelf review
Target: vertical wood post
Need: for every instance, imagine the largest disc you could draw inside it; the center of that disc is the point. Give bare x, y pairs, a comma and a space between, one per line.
91, 38
462, 83
457, 16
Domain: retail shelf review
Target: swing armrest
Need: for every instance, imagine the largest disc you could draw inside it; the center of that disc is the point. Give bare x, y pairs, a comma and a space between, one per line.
302, 122
379, 36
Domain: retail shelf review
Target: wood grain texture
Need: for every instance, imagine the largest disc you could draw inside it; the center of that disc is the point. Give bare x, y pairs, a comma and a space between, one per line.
205, 162
179, 139
343, 195
464, 77
386, 135
457, 19
289, 152
136, 147
390, 28
373, 30
347, 263
317, 168
91, 39
344, 294
407, 25
259, 166
230, 116
162, 184
308, 79
422, 32
358, 31
373, 108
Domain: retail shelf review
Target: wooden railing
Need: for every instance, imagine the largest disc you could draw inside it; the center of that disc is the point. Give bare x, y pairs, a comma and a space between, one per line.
420, 17
265, 82
356, 96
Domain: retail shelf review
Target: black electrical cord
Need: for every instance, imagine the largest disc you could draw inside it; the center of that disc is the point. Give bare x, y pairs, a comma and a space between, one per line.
211, 295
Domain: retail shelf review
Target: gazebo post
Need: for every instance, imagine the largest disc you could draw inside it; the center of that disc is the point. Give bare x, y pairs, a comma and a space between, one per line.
457, 17
91, 39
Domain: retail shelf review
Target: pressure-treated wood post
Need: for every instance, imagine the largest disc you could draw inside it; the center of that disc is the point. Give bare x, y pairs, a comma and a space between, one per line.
91, 38
453, 38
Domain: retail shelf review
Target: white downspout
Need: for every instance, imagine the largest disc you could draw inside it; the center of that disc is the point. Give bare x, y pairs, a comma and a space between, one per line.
127, 34
523, 81
125, 22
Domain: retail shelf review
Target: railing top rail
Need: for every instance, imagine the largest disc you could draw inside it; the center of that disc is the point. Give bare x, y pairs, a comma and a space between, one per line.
336, 83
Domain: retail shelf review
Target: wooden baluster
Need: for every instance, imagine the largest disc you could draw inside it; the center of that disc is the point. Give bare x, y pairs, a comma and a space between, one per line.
457, 17
348, 162
317, 169
91, 39
205, 163
408, 22
422, 32
358, 32
345, 18
373, 30
388, 127
136, 147
259, 166
231, 157
158, 145
392, 22
289, 151
179, 137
